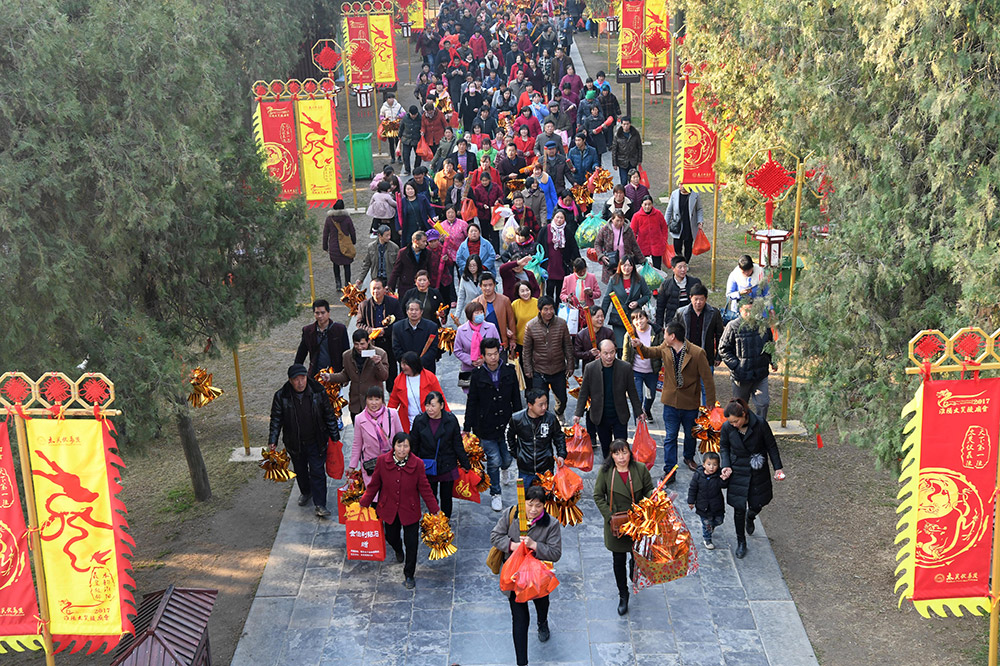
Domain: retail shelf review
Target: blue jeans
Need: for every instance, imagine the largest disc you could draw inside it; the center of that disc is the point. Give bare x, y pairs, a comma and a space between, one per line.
527, 477
703, 403
673, 419
497, 458
647, 379
708, 525
623, 176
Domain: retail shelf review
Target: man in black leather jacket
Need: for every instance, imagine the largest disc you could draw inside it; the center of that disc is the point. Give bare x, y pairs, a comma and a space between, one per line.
302, 415
533, 435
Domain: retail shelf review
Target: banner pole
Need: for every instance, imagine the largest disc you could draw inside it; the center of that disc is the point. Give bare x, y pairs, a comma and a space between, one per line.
239, 394
799, 180
409, 63
715, 210
34, 537
642, 87
995, 584
673, 104
608, 70
312, 282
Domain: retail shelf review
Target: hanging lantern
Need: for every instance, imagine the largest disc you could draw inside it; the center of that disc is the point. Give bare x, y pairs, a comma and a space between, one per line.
657, 83
407, 29
770, 245
613, 23
365, 96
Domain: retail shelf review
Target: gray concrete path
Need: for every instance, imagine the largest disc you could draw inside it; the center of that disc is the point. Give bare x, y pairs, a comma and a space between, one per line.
314, 607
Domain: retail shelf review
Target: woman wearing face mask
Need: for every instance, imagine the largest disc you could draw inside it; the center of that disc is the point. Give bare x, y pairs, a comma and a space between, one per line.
544, 539
400, 478
467, 340
621, 482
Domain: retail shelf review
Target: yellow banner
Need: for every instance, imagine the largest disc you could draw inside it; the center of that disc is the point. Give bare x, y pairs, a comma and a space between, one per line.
381, 29
80, 550
318, 149
656, 36
416, 15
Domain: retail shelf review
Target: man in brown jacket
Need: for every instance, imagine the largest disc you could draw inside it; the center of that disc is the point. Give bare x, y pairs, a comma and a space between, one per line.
548, 353
364, 366
498, 310
685, 367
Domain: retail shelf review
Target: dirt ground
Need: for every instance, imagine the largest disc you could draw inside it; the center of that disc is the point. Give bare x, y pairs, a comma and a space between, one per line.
831, 525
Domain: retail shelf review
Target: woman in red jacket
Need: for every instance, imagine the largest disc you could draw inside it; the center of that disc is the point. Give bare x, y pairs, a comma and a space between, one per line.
650, 229
412, 385
402, 481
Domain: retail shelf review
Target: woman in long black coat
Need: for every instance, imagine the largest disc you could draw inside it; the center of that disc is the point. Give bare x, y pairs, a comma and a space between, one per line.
437, 435
745, 445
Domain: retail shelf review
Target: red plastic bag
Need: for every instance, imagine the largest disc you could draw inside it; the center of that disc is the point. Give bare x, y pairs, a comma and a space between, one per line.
469, 210
579, 450
668, 253
365, 537
533, 579
567, 482
701, 244
453, 120
465, 486
334, 459
643, 176
424, 151
509, 568
643, 446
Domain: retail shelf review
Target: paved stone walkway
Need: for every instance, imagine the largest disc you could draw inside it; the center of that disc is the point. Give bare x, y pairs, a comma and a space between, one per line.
314, 607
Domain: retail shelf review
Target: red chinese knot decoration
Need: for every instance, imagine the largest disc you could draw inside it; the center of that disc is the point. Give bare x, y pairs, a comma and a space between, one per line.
771, 179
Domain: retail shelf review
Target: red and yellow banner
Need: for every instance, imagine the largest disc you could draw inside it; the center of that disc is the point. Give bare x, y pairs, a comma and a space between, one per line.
415, 15
371, 49
694, 159
949, 476
631, 21
656, 36
85, 547
19, 627
274, 127
319, 148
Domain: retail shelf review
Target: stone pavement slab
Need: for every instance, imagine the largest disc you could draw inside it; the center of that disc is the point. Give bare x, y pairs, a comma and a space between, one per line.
316, 608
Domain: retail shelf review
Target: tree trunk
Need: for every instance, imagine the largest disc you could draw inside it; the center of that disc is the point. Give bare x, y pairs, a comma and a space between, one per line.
192, 453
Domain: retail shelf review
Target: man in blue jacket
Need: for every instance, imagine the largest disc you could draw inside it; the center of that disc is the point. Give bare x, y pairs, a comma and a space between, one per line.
582, 160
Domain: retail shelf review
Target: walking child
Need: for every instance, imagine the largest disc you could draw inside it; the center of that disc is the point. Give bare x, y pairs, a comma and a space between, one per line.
705, 496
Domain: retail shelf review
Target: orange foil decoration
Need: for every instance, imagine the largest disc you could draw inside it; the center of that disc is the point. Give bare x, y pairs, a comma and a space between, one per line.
352, 298
202, 391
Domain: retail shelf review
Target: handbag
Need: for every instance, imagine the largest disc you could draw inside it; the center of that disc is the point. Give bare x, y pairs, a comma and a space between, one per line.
431, 464
610, 259
347, 247
618, 518
369, 466
464, 379
495, 559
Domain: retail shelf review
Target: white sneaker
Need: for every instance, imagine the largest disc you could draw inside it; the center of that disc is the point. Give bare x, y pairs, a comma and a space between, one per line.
511, 476
709, 545
496, 503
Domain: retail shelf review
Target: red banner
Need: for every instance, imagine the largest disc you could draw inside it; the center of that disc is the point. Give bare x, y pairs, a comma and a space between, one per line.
695, 143
632, 23
360, 55
955, 488
19, 606
277, 136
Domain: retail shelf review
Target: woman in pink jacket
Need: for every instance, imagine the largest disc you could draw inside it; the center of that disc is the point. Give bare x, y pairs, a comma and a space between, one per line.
469, 336
581, 289
650, 228
374, 429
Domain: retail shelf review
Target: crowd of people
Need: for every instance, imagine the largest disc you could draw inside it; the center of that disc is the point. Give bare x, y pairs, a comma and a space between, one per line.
477, 232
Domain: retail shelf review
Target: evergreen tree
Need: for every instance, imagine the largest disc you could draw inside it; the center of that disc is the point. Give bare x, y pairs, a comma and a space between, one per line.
899, 103
136, 221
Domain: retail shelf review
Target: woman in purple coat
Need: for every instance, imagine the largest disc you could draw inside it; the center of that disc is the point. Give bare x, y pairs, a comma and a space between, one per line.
374, 428
467, 340
339, 238
558, 237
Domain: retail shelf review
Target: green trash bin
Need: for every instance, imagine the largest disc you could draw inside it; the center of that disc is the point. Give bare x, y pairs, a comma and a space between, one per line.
781, 286
362, 165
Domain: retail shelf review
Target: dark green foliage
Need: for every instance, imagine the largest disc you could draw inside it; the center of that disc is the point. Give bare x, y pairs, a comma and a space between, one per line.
136, 221
899, 102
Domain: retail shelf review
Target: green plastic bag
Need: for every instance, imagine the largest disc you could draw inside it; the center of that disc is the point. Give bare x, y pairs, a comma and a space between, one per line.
586, 233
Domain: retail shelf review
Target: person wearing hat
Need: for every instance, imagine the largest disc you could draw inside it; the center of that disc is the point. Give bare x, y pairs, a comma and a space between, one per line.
626, 150
588, 98
301, 414
547, 136
553, 162
557, 116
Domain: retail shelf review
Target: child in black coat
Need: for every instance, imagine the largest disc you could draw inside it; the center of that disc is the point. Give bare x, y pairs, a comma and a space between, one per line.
705, 495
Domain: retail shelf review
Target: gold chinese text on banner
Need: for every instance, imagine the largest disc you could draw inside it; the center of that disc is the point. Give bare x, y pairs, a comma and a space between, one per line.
949, 477
319, 149
85, 546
